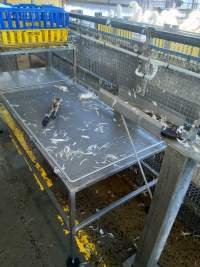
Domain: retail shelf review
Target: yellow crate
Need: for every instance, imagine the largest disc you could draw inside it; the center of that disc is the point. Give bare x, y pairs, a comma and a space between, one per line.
32, 37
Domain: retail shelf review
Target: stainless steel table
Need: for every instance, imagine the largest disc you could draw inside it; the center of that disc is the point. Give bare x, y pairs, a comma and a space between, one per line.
85, 144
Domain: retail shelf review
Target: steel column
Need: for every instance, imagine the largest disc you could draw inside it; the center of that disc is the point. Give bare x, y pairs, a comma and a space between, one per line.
175, 177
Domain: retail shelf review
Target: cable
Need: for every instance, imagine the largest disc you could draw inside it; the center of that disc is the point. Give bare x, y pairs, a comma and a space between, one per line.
137, 158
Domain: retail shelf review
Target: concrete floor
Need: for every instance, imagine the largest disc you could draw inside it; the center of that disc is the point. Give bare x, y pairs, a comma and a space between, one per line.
29, 231
30, 234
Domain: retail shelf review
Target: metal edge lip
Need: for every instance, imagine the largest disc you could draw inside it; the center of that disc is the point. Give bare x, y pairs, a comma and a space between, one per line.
117, 162
121, 168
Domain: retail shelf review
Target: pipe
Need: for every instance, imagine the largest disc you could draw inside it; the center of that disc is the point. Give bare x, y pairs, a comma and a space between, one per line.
136, 155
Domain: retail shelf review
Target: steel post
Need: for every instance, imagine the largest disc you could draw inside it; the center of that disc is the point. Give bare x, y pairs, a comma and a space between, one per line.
175, 177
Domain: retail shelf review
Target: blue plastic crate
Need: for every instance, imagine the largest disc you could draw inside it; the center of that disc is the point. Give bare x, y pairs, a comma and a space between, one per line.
26, 16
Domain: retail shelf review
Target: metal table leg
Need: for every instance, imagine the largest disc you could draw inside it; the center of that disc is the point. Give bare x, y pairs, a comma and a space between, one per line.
73, 260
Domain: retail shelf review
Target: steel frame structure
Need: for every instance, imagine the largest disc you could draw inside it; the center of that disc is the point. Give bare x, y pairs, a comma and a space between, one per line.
72, 198
70, 222
164, 204
183, 174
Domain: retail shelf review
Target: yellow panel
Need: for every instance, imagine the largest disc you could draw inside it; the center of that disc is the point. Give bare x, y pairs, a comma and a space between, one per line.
46, 36
195, 52
26, 37
155, 41
12, 37
58, 36
19, 37
51, 36
187, 49
4, 37
172, 46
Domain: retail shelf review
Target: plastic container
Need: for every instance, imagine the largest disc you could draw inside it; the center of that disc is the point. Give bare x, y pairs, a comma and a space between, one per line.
32, 25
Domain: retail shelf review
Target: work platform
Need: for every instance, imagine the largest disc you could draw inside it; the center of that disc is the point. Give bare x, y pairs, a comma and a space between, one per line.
86, 143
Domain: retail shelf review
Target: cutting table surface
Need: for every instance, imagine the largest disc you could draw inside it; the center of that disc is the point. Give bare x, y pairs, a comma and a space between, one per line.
87, 141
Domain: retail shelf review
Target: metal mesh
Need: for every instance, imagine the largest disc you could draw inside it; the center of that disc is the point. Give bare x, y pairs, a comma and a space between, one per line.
178, 54
109, 66
104, 62
190, 211
194, 195
155, 162
176, 91
61, 64
170, 89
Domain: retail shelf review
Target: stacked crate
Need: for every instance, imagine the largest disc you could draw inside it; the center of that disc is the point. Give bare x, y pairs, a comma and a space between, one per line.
27, 25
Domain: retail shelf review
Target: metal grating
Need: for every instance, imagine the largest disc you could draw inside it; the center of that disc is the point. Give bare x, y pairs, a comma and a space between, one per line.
178, 54
190, 211
155, 162
170, 89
